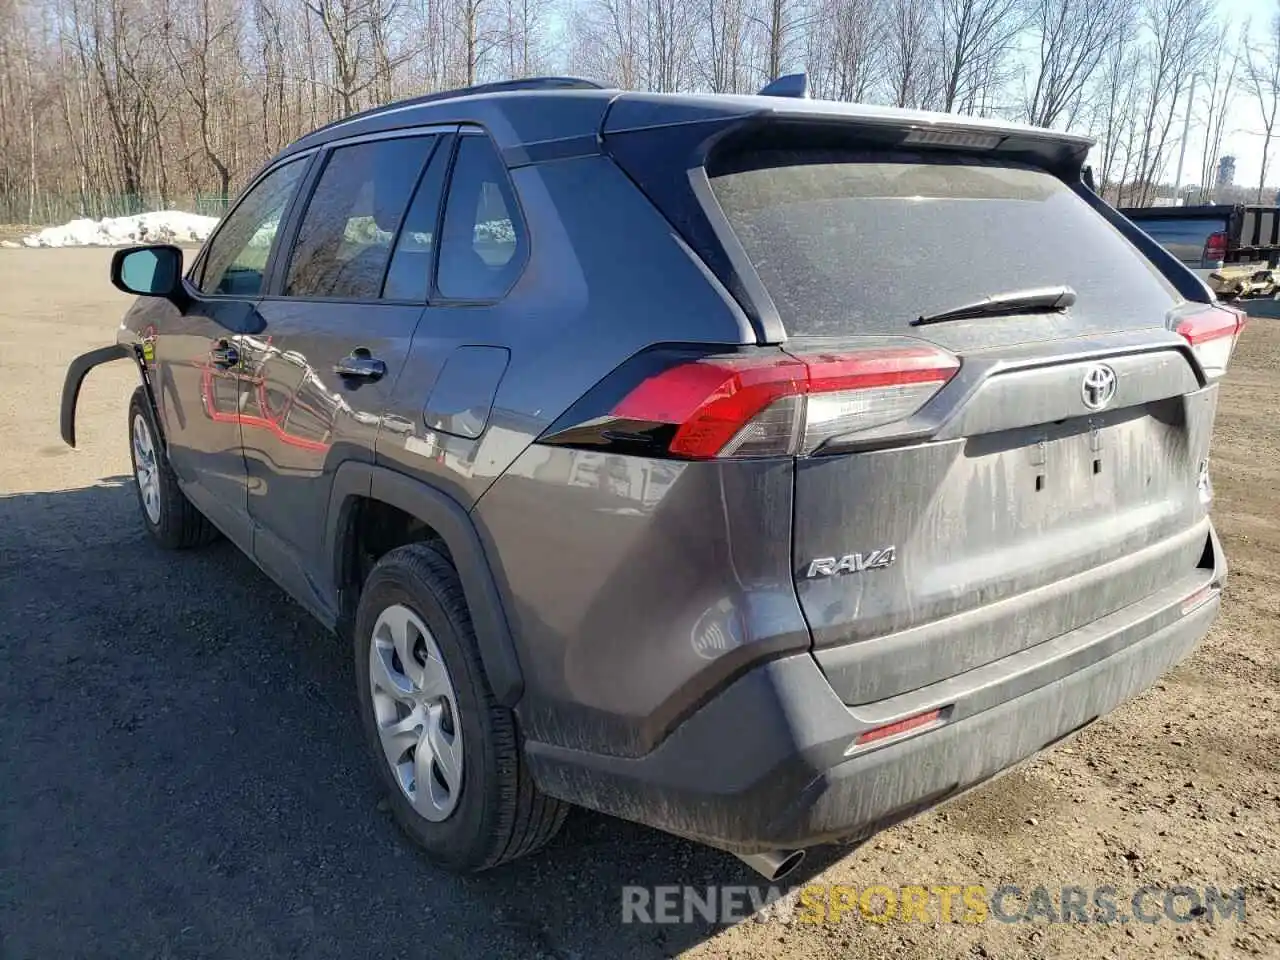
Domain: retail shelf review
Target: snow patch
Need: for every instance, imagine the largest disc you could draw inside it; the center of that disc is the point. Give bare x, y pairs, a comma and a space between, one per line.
495, 231
164, 226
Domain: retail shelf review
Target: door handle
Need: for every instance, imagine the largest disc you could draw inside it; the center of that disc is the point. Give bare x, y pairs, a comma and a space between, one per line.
359, 365
224, 355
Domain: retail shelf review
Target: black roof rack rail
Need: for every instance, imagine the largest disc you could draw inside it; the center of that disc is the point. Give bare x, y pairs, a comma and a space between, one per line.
498, 86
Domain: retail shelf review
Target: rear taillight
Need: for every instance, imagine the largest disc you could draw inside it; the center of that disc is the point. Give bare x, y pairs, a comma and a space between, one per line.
1212, 334
716, 407
1215, 246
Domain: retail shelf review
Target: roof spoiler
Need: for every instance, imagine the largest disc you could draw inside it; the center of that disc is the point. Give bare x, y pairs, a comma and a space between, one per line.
716, 116
791, 85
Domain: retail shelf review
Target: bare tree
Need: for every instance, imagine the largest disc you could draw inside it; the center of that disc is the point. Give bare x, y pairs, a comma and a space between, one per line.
17, 100
197, 37
173, 98
975, 37
522, 40
382, 19
845, 52
669, 50
608, 43
1262, 74
1072, 38
115, 37
1115, 124
721, 46
270, 47
1180, 34
478, 35
912, 69
1224, 64
781, 22
345, 24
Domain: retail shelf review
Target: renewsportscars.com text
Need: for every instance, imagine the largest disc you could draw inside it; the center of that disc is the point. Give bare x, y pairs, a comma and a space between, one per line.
936, 903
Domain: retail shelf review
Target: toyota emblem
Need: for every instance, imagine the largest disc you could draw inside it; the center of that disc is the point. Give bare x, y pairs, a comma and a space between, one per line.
1099, 386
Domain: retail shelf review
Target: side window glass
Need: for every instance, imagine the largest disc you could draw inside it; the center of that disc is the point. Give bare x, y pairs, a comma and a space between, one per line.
344, 241
481, 243
409, 276
238, 252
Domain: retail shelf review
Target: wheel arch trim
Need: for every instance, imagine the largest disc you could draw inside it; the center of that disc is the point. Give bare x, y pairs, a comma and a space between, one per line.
448, 518
77, 370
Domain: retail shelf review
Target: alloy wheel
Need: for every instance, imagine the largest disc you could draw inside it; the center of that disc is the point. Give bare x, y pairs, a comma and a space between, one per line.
416, 712
145, 468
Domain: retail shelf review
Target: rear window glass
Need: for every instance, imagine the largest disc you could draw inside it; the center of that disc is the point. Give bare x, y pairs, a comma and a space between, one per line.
863, 244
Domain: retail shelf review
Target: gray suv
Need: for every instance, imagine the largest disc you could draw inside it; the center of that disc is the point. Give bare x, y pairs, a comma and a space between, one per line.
760, 469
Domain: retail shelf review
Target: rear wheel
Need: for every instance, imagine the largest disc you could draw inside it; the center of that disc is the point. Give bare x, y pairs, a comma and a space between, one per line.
170, 518
448, 755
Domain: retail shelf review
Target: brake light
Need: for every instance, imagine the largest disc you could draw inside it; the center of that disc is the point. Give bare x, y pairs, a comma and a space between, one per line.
1213, 333
780, 404
1215, 246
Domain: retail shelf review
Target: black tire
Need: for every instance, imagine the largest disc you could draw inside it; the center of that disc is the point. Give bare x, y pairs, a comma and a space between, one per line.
500, 814
177, 524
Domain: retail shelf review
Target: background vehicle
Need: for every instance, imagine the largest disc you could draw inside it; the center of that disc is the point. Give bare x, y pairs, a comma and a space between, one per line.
1244, 280
1209, 236
655, 497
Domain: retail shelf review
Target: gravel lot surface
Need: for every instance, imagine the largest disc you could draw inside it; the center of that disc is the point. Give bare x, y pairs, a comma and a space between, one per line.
182, 773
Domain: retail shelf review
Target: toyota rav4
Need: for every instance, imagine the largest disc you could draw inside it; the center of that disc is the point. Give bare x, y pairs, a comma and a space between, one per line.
761, 469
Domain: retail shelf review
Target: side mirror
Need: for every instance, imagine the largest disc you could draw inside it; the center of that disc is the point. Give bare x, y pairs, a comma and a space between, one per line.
151, 271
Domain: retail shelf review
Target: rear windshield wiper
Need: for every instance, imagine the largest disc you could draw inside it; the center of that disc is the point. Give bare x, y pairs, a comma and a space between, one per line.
1038, 300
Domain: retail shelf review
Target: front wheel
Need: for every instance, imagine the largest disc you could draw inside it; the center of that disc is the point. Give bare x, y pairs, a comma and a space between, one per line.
447, 753
170, 518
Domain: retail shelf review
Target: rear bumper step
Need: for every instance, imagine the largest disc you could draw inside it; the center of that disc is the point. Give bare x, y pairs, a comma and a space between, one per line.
771, 762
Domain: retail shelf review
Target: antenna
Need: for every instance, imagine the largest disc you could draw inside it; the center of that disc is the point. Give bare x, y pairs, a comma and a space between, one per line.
791, 85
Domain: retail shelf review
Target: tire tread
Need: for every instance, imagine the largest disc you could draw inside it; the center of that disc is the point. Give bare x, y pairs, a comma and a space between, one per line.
525, 818
187, 526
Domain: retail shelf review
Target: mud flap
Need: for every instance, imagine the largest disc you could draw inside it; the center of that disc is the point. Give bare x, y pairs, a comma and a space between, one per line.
76, 373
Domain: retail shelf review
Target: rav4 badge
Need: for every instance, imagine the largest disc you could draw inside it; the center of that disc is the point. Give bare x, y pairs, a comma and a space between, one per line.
852, 563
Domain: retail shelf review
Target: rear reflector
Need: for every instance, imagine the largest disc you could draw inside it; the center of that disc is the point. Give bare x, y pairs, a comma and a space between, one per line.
897, 727
1212, 334
753, 406
1198, 599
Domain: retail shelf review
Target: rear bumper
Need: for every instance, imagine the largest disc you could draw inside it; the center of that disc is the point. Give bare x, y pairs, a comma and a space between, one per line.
769, 763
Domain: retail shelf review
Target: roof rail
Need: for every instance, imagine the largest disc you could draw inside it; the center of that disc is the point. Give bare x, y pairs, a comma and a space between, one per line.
499, 86
790, 85
523, 83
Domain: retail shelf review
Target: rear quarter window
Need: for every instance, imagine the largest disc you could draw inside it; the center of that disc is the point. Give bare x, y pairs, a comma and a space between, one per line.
851, 243
482, 237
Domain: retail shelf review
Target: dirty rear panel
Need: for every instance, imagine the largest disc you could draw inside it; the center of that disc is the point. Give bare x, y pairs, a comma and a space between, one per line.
1006, 511
1021, 524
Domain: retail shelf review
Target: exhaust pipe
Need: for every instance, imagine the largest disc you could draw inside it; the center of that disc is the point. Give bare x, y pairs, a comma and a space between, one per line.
772, 864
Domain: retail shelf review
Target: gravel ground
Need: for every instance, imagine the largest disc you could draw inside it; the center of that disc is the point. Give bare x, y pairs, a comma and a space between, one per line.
182, 773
